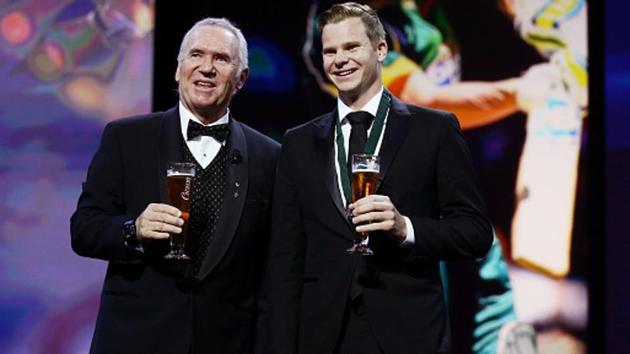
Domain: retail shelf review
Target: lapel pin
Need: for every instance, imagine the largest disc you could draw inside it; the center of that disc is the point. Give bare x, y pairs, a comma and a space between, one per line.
235, 157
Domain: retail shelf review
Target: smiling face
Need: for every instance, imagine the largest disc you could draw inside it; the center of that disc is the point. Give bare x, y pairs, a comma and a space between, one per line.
208, 73
351, 61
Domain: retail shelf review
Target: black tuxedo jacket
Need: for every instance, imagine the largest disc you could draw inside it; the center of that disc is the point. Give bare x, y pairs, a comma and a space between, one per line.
426, 171
148, 305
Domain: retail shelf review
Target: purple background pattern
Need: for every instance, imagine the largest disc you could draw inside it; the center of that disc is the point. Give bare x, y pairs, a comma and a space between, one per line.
51, 117
67, 68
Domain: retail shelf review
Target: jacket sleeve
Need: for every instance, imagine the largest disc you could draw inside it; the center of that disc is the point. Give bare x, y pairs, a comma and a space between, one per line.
462, 229
286, 258
96, 225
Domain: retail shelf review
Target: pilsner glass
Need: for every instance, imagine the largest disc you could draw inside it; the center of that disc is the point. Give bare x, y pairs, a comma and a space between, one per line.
365, 173
181, 178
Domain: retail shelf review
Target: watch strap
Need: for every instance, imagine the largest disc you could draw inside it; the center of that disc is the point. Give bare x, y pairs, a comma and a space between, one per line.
129, 236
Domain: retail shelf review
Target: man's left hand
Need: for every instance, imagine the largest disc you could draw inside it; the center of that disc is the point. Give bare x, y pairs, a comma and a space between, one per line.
377, 213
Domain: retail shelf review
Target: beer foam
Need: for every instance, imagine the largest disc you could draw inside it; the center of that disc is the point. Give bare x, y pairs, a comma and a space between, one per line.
369, 170
179, 174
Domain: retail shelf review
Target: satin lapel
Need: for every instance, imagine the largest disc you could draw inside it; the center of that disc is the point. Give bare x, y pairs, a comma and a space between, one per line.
170, 147
395, 133
233, 200
324, 149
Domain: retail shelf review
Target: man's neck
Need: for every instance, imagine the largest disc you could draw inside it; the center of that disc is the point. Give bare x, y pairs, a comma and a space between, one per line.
210, 116
357, 101
207, 117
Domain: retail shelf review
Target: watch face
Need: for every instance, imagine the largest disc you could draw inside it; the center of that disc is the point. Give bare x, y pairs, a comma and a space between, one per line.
129, 228
129, 235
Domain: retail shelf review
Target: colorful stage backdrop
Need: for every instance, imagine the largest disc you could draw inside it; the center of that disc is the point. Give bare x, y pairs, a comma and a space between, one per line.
69, 66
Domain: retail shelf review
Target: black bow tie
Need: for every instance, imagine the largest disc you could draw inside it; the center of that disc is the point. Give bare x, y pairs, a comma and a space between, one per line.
219, 132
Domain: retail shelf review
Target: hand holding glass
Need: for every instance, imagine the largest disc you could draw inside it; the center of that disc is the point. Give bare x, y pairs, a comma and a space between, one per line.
365, 174
180, 177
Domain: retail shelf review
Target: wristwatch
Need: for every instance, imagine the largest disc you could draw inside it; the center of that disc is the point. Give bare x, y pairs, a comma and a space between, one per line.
129, 236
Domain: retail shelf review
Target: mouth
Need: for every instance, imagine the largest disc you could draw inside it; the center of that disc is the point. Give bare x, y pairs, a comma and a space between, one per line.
204, 84
344, 73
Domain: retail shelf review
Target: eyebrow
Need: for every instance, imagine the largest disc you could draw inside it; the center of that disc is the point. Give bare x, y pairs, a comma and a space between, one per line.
343, 45
201, 50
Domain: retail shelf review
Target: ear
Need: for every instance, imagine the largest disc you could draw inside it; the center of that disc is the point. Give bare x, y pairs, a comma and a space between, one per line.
381, 51
177, 75
242, 77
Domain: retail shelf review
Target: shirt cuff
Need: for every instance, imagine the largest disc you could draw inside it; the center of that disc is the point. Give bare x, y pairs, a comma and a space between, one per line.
411, 237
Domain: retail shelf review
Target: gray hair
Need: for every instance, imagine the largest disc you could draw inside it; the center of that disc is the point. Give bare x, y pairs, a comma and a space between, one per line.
218, 22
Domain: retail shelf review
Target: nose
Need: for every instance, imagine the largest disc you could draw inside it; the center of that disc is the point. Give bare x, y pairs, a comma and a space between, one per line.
207, 66
340, 59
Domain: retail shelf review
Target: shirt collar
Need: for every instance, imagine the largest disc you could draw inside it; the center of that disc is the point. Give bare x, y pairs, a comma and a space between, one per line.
370, 107
186, 116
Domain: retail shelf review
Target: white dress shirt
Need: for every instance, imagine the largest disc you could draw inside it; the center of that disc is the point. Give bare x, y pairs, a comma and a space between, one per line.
370, 107
203, 148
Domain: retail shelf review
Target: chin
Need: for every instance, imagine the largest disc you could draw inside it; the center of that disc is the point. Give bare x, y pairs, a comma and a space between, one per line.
350, 91
347, 87
205, 103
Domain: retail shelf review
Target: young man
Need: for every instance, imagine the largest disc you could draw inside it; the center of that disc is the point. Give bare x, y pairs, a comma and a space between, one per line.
208, 305
426, 208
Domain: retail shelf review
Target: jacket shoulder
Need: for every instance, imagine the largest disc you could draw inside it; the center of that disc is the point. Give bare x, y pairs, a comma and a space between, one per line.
428, 115
256, 137
137, 121
307, 128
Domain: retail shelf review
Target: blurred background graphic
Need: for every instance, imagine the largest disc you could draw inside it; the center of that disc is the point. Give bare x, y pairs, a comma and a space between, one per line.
553, 161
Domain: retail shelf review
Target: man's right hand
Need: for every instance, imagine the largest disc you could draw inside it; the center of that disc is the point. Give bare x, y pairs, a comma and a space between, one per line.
157, 221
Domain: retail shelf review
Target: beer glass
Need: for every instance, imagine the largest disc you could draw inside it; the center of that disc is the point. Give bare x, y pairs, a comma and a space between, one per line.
180, 177
365, 173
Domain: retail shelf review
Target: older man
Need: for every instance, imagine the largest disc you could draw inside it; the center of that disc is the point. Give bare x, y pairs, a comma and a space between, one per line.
208, 305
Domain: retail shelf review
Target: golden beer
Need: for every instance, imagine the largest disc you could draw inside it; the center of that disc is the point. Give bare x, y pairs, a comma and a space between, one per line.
365, 175
180, 180
363, 183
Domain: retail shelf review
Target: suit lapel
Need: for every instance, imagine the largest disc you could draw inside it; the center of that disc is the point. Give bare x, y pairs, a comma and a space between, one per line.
170, 143
236, 178
395, 132
324, 150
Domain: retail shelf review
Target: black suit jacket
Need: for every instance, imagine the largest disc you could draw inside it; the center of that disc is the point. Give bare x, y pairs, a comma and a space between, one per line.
426, 171
148, 305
